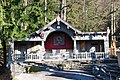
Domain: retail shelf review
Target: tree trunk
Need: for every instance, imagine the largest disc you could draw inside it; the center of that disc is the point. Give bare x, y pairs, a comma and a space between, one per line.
4, 47
4, 52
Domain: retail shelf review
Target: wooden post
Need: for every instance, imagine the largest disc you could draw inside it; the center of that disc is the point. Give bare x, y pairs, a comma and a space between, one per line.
85, 14
113, 22
63, 9
64, 12
45, 9
114, 48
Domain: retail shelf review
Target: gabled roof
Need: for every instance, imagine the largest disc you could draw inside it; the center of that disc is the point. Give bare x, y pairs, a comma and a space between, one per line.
58, 19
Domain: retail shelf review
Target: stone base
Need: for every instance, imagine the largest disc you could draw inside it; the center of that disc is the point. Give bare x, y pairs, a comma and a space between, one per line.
118, 56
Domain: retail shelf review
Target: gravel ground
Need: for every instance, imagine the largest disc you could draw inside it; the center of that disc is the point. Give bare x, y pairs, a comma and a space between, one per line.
55, 75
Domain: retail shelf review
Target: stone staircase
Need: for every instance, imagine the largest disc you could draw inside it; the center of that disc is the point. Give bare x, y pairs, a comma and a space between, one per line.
20, 67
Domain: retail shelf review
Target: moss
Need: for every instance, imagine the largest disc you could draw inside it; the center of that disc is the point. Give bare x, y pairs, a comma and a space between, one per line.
31, 69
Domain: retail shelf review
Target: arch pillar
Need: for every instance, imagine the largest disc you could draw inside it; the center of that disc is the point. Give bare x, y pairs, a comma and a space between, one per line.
75, 46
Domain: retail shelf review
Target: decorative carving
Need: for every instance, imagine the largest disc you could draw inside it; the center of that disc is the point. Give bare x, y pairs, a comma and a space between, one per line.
42, 35
58, 20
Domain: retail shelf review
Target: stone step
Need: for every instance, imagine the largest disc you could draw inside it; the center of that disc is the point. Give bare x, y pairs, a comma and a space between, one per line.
109, 61
66, 64
55, 64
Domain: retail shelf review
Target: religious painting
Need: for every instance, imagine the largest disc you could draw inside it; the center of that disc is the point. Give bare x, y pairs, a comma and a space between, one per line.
59, 39
82, 46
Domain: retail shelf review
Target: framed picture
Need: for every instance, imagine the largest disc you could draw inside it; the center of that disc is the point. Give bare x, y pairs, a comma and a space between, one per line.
82, 46
59, 39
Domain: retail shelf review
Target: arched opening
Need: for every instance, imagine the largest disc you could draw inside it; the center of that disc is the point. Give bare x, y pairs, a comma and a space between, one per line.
58, 40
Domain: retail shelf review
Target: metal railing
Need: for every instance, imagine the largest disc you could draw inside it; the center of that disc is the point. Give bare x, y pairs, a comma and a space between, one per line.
59, 56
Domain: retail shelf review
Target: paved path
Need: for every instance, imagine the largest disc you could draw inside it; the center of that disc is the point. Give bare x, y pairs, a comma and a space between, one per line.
55, 75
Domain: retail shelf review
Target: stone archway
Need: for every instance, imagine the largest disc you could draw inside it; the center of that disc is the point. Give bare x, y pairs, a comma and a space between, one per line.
58, 40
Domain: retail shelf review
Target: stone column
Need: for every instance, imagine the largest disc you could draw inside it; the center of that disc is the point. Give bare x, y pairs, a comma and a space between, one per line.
43, 45
106, 47
75, 46
43, 50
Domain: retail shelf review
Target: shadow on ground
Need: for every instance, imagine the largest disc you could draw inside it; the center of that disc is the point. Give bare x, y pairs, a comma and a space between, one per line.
73, 75
6, 75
